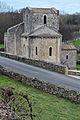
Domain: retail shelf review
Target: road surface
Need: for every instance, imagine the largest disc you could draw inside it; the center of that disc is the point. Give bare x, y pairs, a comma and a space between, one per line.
41, 74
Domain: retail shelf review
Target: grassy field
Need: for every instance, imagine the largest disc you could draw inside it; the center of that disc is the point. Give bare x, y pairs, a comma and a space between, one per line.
76, 43
1, 46
45, 106
78, 54
78, 67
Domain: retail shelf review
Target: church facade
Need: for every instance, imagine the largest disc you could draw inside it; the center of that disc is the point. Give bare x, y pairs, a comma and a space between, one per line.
37, 36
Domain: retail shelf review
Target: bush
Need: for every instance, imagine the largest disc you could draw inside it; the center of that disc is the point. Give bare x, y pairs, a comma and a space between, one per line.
17, 106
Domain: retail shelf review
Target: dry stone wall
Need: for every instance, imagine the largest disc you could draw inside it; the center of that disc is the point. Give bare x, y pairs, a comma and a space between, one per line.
71, 95
75, 73
46, 65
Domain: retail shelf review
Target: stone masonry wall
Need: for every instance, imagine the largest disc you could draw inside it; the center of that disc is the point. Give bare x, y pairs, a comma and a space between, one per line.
43, 45
13, 37
71, 95
19, 32
33, 20
50, 66
72, 58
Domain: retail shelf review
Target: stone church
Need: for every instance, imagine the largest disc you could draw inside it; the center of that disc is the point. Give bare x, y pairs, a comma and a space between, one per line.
37, 37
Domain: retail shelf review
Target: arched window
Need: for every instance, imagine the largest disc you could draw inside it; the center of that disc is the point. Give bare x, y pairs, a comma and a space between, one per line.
44, 19
27, 19
50, 51
24, 49
36, 50
67, 57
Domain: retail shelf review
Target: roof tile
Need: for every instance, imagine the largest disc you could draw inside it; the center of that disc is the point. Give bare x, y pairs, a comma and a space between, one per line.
44, 10
68, 47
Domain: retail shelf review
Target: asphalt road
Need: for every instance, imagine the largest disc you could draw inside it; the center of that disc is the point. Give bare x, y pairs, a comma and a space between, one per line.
41, 74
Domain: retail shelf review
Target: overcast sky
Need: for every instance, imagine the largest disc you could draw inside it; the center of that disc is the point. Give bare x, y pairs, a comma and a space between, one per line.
69, 6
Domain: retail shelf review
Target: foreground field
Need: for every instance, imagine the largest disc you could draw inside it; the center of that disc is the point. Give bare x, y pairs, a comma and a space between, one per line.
45, 106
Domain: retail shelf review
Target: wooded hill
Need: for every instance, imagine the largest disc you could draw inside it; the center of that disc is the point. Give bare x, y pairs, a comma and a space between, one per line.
70, 26
7, 20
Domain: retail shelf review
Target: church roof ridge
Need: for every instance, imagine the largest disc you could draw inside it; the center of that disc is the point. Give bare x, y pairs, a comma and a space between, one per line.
43, 10
45, 31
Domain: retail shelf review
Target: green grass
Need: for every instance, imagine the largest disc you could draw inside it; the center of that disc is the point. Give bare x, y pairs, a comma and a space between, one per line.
76, 43
78, 54
78, 67
1, 46
45, 106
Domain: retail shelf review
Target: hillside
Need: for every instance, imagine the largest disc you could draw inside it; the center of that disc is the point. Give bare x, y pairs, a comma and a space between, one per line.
76, 43
45, 106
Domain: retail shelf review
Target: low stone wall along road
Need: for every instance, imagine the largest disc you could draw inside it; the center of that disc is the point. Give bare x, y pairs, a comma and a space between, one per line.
41, 74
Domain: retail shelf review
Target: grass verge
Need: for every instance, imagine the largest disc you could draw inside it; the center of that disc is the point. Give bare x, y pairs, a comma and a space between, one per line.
78, 67
1, 45
76, 43
45, 106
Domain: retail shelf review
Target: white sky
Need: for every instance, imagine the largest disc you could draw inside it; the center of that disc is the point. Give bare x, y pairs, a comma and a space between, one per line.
69, 6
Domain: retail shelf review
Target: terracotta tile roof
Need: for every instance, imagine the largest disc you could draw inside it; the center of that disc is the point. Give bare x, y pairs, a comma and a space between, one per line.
68, 47
44, 10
